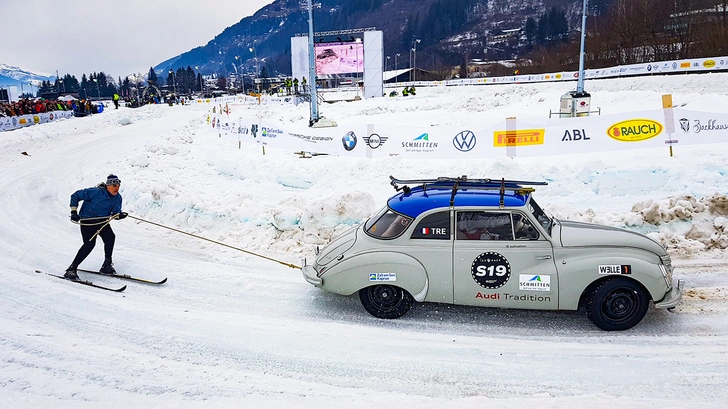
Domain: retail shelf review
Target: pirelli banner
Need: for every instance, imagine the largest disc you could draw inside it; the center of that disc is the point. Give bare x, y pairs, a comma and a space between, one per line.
15, 122
512, 137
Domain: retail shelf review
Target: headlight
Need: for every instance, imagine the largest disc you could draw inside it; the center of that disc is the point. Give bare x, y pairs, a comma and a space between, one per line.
666, 268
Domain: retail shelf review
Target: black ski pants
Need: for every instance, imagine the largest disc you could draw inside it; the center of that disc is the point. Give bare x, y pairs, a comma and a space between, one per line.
106, 234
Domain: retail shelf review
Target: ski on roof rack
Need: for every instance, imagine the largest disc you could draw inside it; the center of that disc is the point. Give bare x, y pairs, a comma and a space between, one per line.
463, 182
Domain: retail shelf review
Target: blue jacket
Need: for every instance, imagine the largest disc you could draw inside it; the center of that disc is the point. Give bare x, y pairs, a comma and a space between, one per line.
97, 202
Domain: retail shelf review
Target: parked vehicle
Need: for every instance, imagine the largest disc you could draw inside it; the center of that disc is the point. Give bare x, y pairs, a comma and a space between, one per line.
484, 242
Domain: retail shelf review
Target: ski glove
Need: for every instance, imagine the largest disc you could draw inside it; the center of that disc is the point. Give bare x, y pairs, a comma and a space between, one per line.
123, 215
74, 216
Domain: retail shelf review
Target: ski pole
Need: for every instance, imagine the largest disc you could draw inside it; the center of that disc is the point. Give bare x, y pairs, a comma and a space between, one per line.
213, 241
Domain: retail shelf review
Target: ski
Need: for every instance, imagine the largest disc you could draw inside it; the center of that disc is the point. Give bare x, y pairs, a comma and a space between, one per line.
88, 283
125, 277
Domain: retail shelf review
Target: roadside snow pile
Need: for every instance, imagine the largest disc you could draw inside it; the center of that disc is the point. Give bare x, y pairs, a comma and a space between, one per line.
683, 224
705, 224
125, 121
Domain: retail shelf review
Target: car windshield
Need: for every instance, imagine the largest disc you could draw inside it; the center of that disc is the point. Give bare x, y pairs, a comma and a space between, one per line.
543, 218
387, 224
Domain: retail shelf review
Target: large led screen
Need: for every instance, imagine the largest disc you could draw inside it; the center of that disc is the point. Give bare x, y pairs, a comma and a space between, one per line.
339, 58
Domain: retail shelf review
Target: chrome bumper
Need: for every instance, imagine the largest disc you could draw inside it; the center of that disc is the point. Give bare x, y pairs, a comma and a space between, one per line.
309, 274
672, 298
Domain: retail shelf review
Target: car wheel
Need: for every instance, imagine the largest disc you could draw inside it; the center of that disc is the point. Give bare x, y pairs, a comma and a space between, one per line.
618, 304
385, 301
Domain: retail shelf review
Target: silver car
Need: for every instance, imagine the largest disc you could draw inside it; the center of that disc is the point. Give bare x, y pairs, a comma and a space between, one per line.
487, 243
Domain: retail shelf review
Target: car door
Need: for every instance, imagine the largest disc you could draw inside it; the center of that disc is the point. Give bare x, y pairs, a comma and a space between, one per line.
430, 242
499, 262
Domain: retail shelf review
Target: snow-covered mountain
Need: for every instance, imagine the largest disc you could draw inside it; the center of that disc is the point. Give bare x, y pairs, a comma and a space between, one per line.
11, 75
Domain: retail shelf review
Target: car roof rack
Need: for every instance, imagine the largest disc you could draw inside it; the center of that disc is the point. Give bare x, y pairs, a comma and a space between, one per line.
463, 181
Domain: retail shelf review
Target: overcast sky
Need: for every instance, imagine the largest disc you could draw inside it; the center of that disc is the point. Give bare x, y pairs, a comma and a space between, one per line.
118, 37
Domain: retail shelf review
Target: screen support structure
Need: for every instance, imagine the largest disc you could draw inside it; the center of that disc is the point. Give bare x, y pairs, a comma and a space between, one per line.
316, 120
312, 67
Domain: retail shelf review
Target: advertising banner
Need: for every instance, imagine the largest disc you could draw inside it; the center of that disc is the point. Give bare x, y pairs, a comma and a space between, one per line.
662, 67
513, 137
15, 122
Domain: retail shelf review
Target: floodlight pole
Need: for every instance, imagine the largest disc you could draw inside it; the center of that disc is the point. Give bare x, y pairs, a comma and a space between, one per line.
580, 82
414, 60
312, 67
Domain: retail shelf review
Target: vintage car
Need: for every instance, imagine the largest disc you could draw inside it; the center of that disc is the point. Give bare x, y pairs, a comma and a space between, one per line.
485, 242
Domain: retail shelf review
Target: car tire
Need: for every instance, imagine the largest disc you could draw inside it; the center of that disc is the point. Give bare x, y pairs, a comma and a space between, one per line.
386, 301
617, 304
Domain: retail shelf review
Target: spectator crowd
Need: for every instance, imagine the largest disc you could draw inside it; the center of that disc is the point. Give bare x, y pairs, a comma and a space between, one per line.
36, 106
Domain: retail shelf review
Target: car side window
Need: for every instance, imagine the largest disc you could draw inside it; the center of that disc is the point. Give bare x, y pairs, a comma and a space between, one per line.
435, 226
484, 226
389, 225
523, 228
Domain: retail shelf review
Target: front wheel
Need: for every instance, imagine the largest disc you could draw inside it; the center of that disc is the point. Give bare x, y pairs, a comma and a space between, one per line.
617, 305
385, 301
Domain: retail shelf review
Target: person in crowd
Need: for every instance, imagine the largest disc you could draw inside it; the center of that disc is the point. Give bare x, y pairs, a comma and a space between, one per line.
101, 204
295, 86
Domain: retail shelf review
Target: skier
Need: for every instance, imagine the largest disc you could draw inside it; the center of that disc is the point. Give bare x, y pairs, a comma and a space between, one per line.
99, 203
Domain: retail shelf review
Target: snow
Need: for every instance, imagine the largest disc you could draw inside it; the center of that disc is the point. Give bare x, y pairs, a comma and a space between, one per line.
233, 330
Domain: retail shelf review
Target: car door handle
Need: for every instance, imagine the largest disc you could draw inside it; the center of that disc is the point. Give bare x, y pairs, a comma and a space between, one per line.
547, 257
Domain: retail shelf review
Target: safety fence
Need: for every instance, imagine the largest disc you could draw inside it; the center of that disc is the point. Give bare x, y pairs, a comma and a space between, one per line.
687, 66
14, 122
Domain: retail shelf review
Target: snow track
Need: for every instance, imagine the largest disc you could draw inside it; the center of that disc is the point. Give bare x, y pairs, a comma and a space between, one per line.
232, 330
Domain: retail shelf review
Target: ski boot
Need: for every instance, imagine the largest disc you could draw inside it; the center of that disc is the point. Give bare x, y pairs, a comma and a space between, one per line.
107, 268
71, 272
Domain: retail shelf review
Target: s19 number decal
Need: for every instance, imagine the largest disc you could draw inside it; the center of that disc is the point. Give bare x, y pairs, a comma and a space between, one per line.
491, 270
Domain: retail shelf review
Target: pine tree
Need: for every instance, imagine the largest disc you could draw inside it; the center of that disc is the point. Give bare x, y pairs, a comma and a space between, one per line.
152, 78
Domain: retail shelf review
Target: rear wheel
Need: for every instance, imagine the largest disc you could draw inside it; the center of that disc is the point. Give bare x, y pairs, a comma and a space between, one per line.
618, 304
385, 301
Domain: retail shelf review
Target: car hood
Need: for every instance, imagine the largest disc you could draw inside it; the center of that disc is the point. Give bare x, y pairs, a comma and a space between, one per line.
579, 234
337, 246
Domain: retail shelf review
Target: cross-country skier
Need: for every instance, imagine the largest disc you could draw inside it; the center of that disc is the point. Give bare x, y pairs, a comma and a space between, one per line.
100, 204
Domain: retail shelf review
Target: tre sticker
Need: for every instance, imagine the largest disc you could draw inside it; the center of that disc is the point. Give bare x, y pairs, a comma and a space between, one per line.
491, 270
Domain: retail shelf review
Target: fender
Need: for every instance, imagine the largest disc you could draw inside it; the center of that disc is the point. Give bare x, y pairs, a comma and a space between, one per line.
397, 269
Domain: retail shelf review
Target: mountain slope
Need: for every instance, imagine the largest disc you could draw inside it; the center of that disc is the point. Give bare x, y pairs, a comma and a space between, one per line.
448, 29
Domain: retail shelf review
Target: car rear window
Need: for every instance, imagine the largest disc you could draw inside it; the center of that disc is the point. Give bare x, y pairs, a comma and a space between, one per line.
387, 226
434, 226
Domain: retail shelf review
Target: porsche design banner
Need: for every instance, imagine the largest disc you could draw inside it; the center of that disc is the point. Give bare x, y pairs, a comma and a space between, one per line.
517, 138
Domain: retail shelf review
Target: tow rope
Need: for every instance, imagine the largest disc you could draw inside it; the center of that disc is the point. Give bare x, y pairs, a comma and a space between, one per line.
103, 221
211, 241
